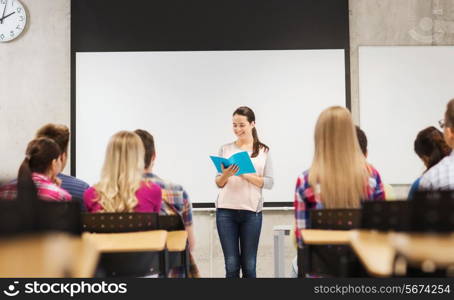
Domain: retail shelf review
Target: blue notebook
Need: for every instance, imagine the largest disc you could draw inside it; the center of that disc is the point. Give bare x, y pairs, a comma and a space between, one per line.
241, 159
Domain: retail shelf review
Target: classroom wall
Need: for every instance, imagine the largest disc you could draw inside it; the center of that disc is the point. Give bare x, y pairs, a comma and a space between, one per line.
396, 23
35, 79
37, 89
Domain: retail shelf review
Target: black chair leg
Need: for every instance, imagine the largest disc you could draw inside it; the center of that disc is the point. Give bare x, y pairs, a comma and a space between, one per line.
306, 262
344, 272
186, 262
164, 265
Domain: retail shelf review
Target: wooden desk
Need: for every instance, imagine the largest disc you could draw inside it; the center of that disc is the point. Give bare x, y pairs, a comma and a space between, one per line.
375, 251
325, 237
436, 249
49, 255
176, 240
152, 241
83, 264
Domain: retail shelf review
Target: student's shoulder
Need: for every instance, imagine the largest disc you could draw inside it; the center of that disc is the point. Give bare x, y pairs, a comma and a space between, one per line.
432, 176
373, 172
90, 193
73, 180
303, 180
167, 184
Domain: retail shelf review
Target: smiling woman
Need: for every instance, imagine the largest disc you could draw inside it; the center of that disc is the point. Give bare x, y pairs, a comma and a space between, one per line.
13, 19
239, 203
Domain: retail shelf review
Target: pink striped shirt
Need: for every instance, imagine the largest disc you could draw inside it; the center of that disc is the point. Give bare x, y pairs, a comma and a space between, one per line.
47, 189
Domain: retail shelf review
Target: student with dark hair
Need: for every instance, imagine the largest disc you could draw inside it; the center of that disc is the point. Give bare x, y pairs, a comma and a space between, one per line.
434, 149
175, 200
362, 140
60, 134
41, 165
239, 203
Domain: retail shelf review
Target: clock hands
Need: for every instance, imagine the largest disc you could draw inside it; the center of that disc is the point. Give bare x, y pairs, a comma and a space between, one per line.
7, 16
3, 14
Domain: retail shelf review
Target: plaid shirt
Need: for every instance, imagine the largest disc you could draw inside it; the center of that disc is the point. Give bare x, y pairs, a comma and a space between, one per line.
440, 176
47, 189
306, 199
175, 199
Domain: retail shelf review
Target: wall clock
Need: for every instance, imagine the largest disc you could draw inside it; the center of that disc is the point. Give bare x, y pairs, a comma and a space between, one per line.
13, 19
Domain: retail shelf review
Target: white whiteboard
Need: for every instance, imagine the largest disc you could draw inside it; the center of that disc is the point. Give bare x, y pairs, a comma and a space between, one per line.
402, 90
186, 100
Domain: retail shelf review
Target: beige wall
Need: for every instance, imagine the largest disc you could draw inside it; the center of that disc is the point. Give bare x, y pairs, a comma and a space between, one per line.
396, 23
34, 79
35, 89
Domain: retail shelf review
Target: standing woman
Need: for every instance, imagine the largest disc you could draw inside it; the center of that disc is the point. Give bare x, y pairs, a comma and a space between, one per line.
339, 176
240, 201
121, 187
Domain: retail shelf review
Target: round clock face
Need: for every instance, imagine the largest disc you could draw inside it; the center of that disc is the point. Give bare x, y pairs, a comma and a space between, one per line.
12, 19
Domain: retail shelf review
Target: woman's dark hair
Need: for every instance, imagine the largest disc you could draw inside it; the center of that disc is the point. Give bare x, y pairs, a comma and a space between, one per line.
38, 158
249, 114
430, 143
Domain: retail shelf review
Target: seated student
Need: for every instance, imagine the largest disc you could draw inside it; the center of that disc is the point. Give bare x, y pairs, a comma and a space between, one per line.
339, 176
60, 134
175, 198
42, 163
121, 187
440, 176
362, 140
431, 148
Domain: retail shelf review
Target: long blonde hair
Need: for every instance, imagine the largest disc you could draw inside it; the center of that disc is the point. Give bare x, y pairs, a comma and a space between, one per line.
121, 174
339, 167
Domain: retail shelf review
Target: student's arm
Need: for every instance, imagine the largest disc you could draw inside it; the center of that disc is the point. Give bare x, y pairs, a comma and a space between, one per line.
379, 189
266, 181
425, 183
187, 220
191, 238
414, 187
300, 208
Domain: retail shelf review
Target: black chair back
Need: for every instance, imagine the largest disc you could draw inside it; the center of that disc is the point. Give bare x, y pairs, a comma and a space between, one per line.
330, 260
334, 219
119, 222
433, 211
122, 264
59, 216
386, 215
41, 216
170, 223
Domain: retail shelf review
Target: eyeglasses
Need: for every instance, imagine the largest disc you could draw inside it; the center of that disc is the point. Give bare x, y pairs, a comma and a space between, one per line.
441, 123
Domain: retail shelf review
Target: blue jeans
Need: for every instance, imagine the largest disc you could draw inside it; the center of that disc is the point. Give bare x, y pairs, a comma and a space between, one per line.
239, 232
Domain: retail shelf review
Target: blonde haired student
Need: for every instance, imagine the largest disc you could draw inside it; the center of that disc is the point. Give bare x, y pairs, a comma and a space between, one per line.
339, 176
121, 187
